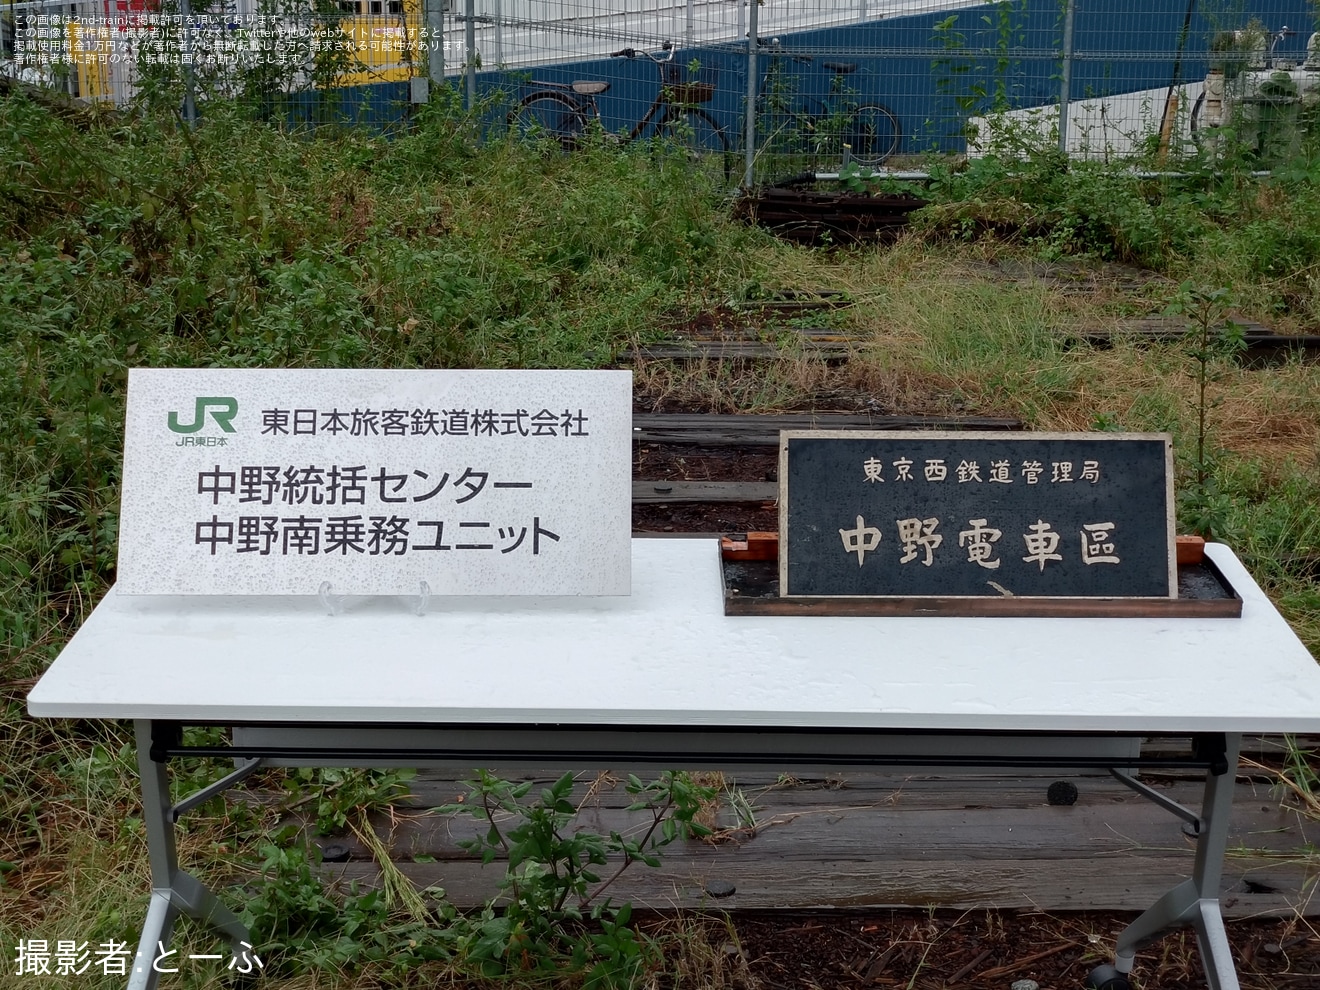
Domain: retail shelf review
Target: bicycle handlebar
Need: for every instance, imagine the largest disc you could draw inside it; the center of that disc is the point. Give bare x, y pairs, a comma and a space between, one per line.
772, 46
667, 48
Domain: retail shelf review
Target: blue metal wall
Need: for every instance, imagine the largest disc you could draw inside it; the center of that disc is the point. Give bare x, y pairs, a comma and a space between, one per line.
933, 70
932, 78
379, 106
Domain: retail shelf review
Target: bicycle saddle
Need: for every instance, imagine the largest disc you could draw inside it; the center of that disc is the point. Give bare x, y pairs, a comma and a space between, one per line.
842, 68
589, 88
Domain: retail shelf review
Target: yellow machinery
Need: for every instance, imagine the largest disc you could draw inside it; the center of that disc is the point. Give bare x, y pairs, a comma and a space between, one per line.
384, 40
380, 37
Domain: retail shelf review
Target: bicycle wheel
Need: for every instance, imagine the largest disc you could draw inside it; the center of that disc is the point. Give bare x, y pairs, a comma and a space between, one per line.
874, 133
697, 131
548, 115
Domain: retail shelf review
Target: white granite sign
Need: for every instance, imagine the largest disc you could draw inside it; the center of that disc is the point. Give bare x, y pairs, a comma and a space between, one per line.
255, 482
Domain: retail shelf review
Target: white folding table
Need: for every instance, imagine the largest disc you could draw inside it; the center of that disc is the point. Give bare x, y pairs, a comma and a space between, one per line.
664, 677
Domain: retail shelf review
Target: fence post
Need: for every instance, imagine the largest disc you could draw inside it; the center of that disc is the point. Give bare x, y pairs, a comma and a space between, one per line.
189, 80
435, 50
470, 56
1065, 75
749, 135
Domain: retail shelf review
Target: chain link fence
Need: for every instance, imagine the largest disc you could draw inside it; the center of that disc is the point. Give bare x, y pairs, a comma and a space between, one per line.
832, 84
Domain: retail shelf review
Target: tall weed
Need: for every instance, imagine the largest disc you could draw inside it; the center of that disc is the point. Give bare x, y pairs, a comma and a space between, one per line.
239, 245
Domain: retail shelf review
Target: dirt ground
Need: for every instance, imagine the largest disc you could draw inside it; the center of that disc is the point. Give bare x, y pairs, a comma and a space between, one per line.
924, 950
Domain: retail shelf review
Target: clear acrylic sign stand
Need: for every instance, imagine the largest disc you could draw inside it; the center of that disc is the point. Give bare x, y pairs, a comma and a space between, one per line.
334, 604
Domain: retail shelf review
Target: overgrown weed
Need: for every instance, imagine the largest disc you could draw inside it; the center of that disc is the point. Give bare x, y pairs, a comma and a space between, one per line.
1204, 216
129, 245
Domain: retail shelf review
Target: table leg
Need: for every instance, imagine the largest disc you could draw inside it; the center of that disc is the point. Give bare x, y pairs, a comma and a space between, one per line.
173, 891
1195, 901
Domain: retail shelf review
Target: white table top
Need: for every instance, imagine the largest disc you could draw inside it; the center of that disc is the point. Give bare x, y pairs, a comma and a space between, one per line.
668, 656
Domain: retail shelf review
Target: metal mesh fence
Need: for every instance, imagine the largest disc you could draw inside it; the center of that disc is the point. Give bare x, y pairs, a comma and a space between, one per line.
114, 49
872, 84
1097, 79
829, 83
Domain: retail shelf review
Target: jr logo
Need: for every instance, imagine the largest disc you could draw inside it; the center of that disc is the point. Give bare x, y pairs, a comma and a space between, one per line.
223, 409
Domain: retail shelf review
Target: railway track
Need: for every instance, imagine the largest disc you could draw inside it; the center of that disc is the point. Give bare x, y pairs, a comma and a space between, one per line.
699, 473
814, 217
1263, 346
1260, 340
756, 330
684, 462
706, 430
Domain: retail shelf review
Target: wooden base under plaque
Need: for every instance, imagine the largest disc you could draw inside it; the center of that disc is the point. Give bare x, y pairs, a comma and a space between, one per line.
751, 587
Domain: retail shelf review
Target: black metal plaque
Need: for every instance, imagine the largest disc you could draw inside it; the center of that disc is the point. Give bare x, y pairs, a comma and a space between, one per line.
1078, 515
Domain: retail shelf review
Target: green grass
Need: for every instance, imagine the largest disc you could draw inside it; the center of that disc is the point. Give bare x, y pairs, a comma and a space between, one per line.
131, 243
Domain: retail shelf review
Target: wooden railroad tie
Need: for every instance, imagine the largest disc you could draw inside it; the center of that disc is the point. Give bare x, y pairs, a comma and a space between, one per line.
834, 346
715, 430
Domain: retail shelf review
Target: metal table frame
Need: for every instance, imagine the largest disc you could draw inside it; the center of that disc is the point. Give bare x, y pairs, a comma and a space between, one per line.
175, 892
664, 677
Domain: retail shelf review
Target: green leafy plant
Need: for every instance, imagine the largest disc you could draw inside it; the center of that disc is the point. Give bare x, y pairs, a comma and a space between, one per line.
1106, 422
803, 130
827, 135
974, 80
300, 927
775, 108
552, 917
340, 794
1211, 338
856, 178
953, 71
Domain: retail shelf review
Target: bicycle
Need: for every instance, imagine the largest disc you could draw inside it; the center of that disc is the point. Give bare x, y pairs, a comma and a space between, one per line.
834, 127
565, 111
